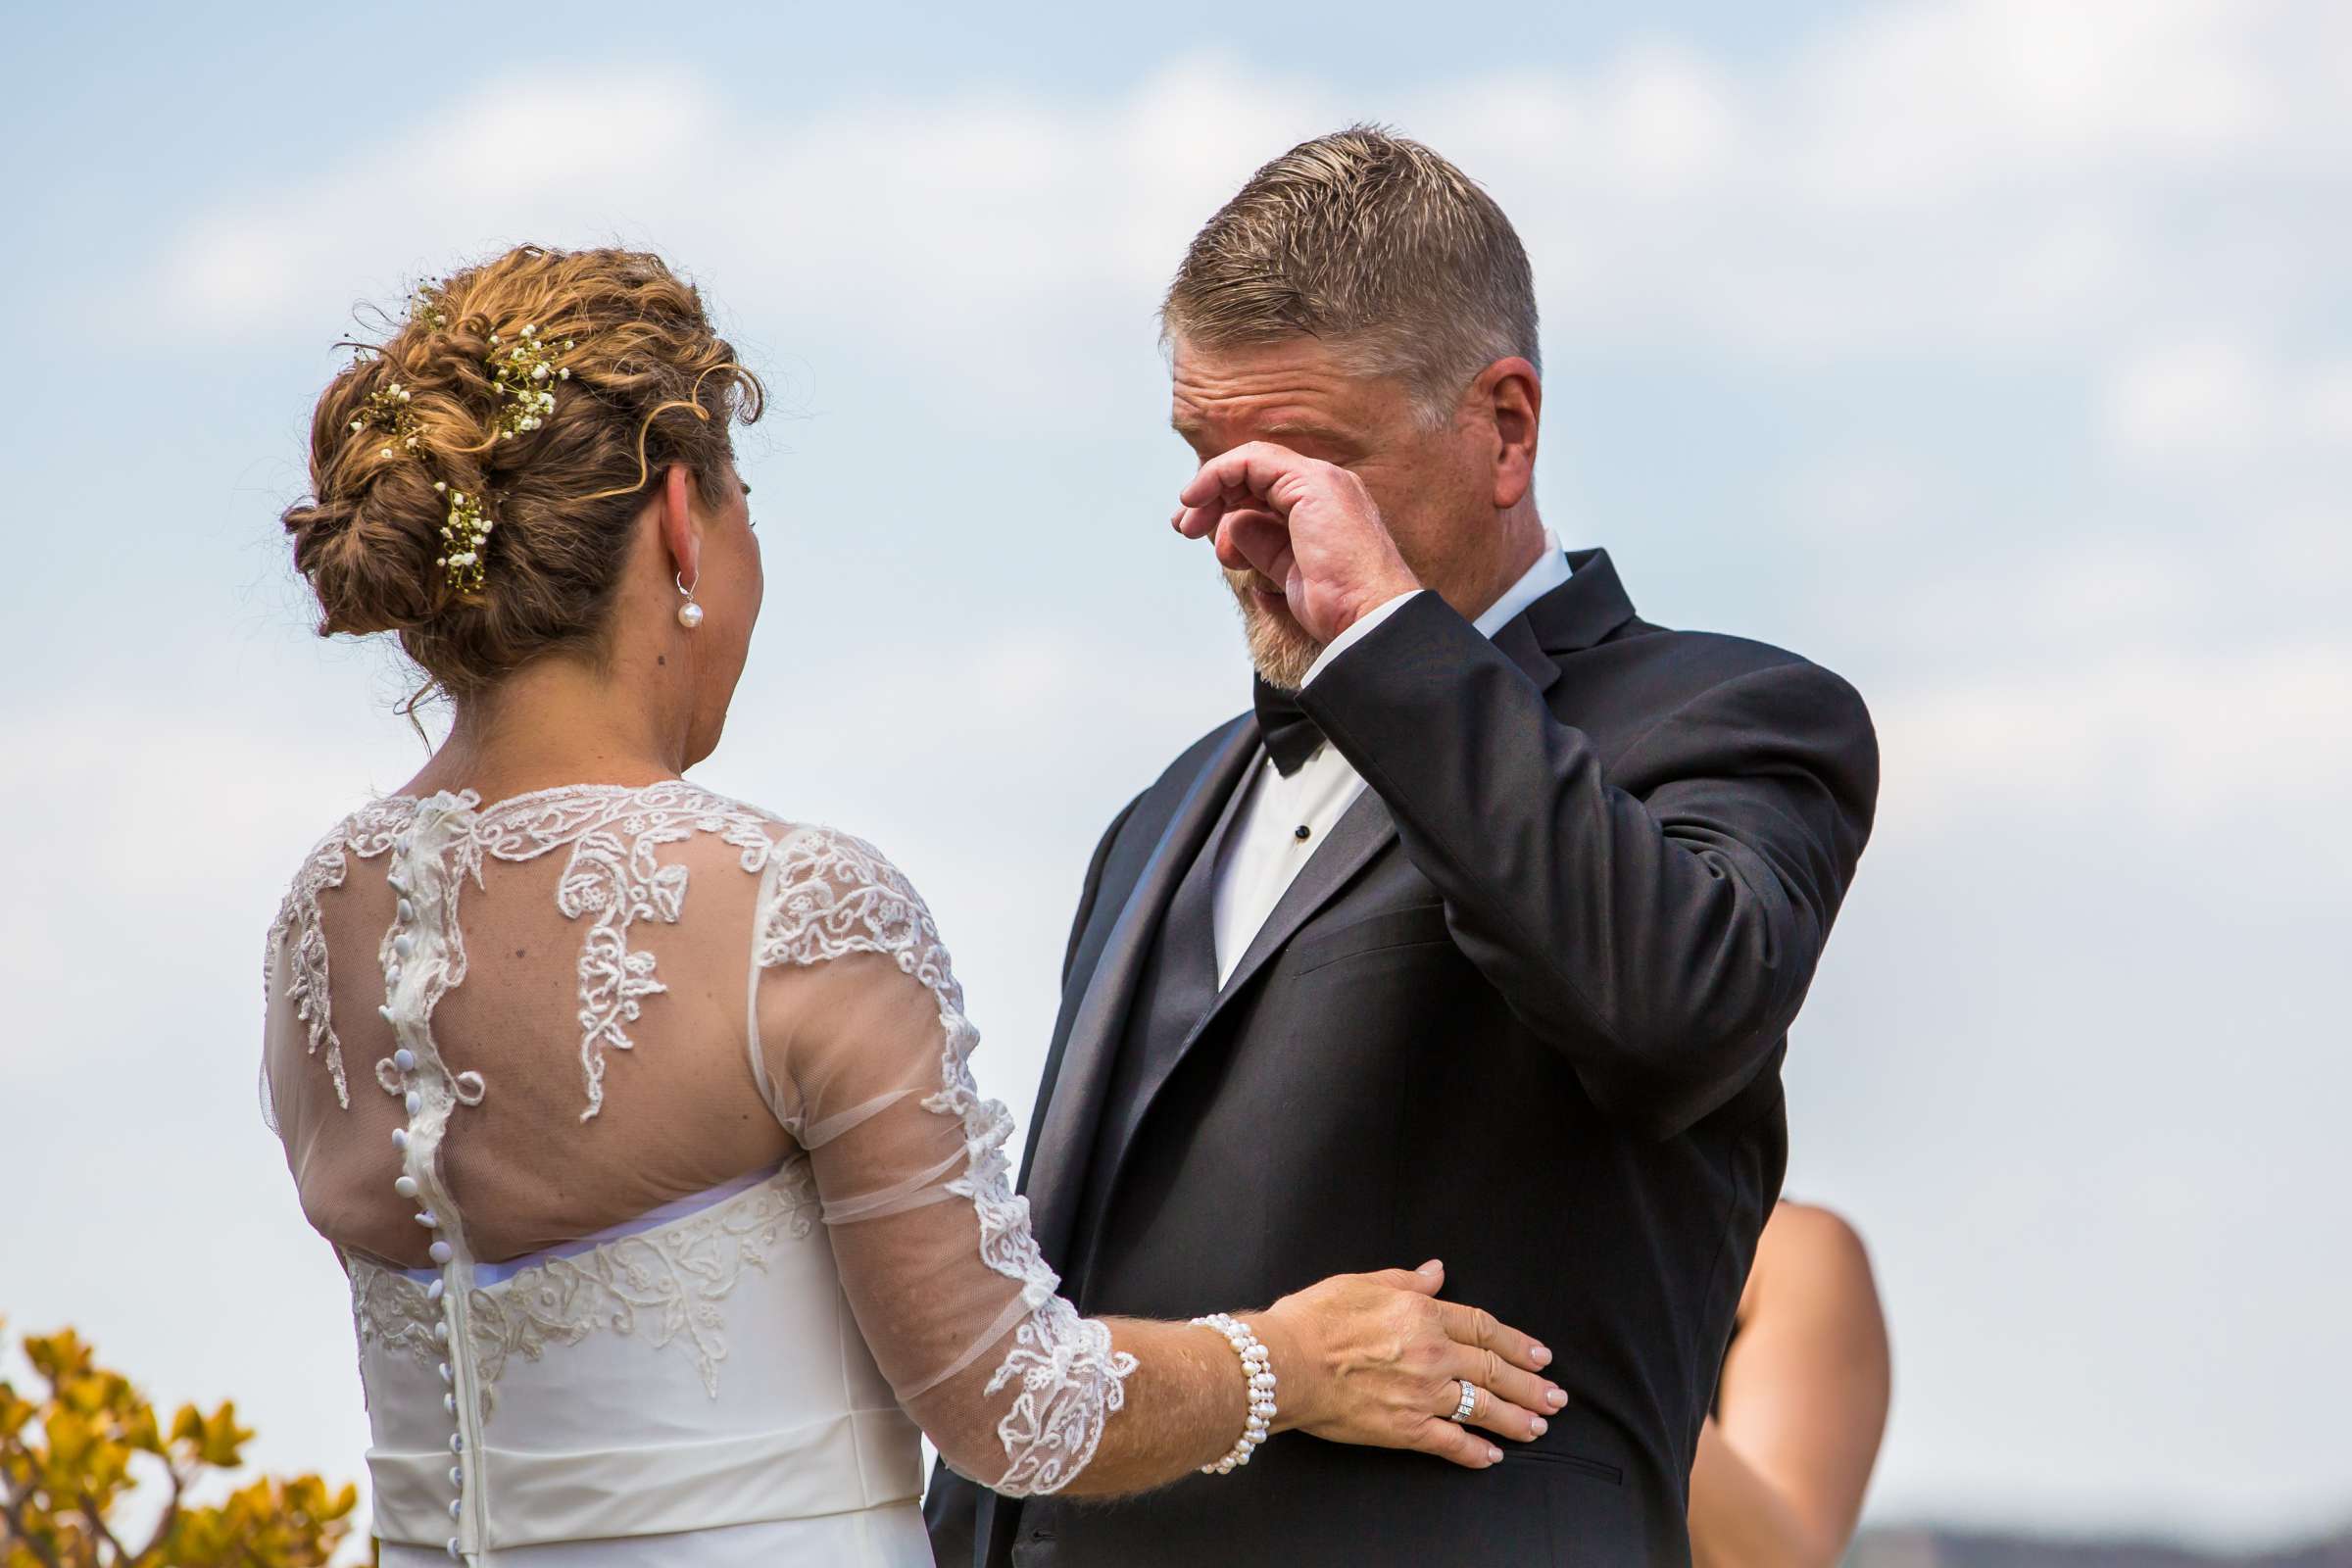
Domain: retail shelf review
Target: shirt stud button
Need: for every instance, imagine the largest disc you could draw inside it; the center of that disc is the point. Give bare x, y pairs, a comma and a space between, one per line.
1302, 833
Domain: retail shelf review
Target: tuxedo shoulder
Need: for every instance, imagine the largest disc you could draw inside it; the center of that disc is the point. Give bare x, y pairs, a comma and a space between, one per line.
1692, 665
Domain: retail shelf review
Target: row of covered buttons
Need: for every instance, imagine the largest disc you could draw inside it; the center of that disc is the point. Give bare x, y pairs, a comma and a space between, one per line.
404, 1060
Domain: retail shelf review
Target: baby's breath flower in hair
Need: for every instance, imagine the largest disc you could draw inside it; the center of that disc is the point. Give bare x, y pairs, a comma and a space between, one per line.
526, 373
463, 538
426, 307
387, 410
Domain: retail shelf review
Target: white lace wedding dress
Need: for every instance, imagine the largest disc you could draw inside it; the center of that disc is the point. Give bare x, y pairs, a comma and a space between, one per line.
669, 1198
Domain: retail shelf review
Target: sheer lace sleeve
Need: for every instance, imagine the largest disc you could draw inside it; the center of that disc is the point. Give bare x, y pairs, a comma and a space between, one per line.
861, 1046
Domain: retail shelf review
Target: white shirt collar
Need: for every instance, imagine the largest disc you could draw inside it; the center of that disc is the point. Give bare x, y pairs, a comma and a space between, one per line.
1551, 570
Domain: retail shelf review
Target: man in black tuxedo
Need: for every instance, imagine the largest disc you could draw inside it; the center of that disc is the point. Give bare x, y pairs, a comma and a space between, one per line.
1479, 938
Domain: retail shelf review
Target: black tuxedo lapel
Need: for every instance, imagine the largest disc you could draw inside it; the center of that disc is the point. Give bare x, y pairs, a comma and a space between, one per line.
1363, 831
1580, 611
1065, 1134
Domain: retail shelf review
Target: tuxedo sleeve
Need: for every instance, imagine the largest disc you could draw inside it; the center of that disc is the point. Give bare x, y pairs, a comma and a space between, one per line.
1660, 925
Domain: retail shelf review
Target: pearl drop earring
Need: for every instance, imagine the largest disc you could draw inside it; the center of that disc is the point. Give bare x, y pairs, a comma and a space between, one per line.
690, 613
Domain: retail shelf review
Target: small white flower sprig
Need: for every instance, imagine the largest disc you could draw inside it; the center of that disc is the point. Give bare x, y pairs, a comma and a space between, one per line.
428, 307
526, 373
387, 410
463, 537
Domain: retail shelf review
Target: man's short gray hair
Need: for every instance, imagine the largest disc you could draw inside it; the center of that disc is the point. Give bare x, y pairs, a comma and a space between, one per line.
1376, 246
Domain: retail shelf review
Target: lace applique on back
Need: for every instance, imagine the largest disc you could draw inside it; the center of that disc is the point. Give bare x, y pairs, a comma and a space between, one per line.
615, 874
368, 833
614, 877
668, 1281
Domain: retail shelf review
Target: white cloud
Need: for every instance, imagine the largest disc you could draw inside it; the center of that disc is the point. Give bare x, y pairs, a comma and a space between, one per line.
1991, 177
2218, 399
1916, 99
2176, 738
2200, 398
2327, 407
477, 171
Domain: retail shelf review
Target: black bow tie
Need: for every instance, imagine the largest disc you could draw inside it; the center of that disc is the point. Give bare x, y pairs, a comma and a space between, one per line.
1290, 736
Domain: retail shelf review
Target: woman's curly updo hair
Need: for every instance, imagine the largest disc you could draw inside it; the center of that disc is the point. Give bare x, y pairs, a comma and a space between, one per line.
649, 384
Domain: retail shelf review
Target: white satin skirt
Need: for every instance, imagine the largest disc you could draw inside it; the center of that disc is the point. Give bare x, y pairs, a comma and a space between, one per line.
689, 1389
891, 1536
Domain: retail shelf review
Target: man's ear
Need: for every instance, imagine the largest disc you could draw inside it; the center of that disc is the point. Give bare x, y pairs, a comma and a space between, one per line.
681, 535
1511, 394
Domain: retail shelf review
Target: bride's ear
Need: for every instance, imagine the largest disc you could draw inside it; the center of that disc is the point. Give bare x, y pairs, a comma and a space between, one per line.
681, 533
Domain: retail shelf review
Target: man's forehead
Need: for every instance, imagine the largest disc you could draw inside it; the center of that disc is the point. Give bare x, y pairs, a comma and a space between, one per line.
1296, 358
1290, 384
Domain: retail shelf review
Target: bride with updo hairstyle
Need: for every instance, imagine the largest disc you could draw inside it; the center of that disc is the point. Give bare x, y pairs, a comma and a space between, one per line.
642, 1119
425, 414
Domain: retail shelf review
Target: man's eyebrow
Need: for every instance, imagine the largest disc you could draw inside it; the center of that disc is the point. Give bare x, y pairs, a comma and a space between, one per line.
1296, 430
1311, 429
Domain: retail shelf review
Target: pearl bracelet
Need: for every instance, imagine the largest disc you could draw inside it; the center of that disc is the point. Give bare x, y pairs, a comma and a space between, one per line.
1258, 1366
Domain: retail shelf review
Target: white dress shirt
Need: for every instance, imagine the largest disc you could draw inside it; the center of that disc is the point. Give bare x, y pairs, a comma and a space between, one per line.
1282, 821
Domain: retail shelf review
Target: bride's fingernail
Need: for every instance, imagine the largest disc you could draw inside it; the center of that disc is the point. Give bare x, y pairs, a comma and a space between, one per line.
1537, 1425
1539, 1354
1555, 1398
1433, 1266
1493, 1456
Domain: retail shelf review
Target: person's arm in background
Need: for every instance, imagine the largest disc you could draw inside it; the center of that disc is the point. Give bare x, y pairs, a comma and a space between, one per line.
1782, 1465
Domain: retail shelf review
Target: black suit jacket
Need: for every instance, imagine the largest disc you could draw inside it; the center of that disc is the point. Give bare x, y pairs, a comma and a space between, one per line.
1524, 1010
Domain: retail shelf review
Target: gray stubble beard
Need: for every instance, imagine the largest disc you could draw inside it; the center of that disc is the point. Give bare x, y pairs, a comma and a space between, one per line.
1279, 649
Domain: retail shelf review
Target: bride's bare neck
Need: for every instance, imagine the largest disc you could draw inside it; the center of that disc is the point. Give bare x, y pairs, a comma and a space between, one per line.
559, 721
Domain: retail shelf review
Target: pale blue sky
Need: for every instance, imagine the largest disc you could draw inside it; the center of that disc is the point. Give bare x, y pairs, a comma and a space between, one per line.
1996, 353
